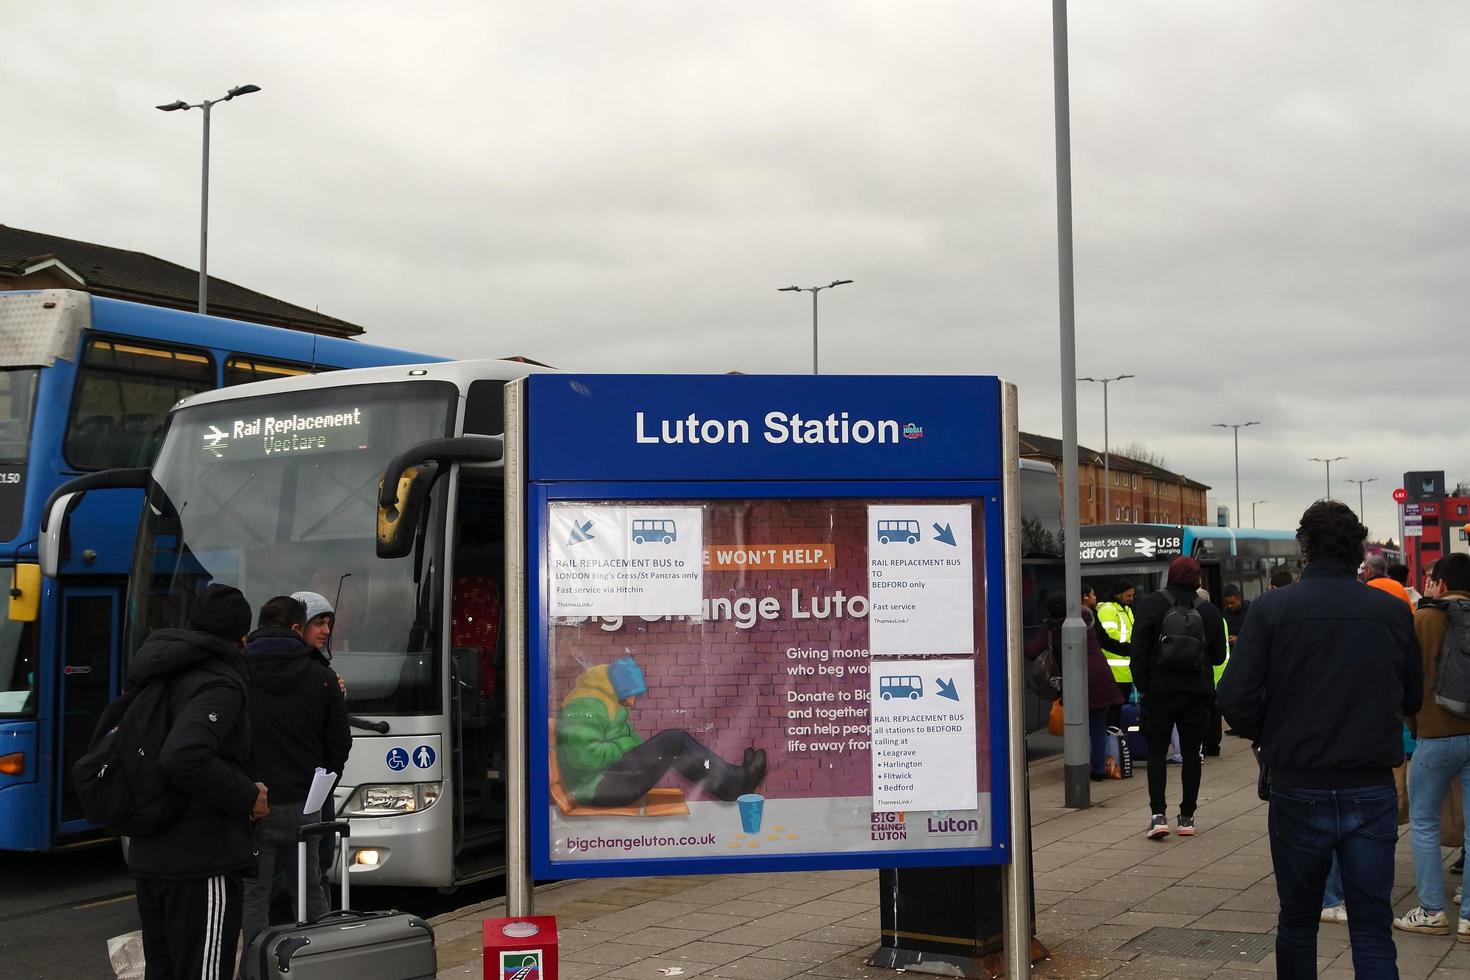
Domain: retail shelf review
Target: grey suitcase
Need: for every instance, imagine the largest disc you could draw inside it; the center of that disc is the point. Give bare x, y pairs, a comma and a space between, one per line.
345, 944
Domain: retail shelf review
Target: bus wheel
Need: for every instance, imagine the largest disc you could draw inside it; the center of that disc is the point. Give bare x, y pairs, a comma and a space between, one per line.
638, 539
887, 695
882, 539
914, 696
912, 539
668, 539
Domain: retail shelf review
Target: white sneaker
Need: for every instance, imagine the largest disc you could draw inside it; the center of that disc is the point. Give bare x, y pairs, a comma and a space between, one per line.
1338, 913
1462, 931
1420, 921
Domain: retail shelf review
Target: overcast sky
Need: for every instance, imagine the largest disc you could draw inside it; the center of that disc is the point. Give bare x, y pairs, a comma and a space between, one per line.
1270, 198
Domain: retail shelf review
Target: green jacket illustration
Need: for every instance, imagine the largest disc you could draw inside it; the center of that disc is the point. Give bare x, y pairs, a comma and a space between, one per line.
592, 733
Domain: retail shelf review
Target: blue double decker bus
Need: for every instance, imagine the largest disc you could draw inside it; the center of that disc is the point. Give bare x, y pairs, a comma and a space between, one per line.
86, 384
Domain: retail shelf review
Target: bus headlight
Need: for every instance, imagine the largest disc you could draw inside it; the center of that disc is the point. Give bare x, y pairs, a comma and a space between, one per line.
390, 799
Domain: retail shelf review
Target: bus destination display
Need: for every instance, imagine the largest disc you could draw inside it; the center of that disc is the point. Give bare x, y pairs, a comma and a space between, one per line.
273, 435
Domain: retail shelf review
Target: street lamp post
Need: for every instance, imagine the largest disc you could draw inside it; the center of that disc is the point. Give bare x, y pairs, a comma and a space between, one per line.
813, 290
1107, 481
1253, 510
206, 105
1371, 479
1328, 462
1237, 426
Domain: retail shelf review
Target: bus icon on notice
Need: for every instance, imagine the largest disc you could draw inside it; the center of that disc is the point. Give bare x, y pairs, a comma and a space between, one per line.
905, 531
904, 686
658, 530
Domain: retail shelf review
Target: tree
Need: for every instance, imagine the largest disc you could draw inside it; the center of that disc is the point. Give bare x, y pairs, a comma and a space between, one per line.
1138, 451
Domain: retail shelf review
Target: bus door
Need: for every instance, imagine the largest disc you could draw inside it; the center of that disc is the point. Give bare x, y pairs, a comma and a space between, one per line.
89, 625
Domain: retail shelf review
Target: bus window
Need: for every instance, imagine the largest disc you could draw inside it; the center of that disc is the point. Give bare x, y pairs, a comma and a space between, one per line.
240, 369
17, 402
124, 391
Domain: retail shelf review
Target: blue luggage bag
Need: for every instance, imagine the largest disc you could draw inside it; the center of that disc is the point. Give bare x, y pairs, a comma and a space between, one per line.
1128, 720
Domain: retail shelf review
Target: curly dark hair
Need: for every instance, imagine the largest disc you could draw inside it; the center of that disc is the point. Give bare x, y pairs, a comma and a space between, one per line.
1330, 530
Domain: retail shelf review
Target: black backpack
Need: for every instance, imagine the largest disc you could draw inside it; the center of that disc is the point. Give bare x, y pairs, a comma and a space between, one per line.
1181, 637
119, 780
1452, 669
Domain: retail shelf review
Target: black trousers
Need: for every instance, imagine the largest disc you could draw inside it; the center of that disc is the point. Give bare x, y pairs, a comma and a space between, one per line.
1161, 713
638, 771
1214, 728
190, 928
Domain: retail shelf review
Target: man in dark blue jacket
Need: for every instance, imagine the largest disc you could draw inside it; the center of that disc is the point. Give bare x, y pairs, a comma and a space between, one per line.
299, 722
1322, 678
189, 875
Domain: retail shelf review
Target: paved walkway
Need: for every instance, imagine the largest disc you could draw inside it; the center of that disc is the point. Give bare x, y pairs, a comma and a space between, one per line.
1101, 888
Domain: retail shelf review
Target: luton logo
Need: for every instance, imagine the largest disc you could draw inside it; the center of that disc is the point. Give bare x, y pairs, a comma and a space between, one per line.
521, 965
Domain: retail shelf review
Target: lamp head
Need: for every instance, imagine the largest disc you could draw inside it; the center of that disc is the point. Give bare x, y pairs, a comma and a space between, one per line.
176, 104
241, 90
788, 289
839, 282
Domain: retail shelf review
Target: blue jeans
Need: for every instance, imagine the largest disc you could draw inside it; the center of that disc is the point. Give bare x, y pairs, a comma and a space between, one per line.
1309, 826
1436, 762
1332, 894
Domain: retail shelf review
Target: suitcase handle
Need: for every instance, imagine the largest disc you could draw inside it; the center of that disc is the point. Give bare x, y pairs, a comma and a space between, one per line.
339, 827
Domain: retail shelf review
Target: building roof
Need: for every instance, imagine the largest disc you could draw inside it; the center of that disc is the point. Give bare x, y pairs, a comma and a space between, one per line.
124, 274
1045, 447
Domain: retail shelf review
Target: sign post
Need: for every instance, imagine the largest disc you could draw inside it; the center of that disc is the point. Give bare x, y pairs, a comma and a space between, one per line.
769, 626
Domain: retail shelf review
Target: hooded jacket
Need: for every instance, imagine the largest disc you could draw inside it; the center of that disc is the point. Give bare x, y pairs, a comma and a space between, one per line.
1102, 690
297, 715
205, 757
1151, 609
1323, 676
592, 732
1431, 623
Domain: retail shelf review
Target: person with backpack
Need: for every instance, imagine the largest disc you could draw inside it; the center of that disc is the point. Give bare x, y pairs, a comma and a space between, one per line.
1178, 638
1322, 678
1102, 692
299, 720
1442, 730
189, 873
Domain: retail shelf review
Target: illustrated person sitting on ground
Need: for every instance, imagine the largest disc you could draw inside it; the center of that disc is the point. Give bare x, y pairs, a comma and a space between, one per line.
604, 762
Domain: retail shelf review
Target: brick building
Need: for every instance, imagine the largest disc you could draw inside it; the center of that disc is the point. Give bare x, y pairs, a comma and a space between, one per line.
1141, 493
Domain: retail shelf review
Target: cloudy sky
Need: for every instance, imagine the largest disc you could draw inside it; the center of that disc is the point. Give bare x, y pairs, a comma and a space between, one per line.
1270, 198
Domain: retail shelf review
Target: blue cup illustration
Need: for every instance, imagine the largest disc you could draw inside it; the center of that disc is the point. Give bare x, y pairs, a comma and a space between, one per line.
752, 805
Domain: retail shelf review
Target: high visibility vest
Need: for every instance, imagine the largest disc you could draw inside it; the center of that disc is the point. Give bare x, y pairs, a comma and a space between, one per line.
1117, 622
1220, 670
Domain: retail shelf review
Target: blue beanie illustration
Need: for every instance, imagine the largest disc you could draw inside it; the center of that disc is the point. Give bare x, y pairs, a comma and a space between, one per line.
627, 678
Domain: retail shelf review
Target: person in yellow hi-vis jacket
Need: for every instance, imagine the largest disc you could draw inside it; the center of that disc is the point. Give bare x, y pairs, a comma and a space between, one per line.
1115, 635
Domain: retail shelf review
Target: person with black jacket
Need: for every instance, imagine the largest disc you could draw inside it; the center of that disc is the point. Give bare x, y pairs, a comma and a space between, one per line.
1322, 678
189, 875
1174, 695
300, 723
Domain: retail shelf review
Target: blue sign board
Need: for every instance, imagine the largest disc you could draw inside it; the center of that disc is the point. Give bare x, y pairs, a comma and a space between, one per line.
767, 623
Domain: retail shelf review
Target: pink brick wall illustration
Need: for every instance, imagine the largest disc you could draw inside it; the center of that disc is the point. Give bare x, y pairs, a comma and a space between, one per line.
728, 686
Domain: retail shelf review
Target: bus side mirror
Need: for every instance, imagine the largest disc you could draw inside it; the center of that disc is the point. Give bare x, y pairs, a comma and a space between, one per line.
52, 545
25, 594
399, 521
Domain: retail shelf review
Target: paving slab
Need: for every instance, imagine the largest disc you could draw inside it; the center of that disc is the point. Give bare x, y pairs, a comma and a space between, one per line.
1099, 885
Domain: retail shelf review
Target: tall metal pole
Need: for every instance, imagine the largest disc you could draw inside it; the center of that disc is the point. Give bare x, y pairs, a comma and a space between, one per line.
1236, 427
204, 219
1328, 462
1107, 450
206, 105
1371, 479
1107, 466
1075, 751
814, 332
813, 290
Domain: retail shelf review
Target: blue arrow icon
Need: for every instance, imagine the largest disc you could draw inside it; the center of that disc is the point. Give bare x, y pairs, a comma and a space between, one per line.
580, 532
945, 535
946, 690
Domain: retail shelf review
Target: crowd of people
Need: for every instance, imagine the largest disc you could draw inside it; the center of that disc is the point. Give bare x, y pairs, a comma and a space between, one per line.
1354, 688
251, 716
